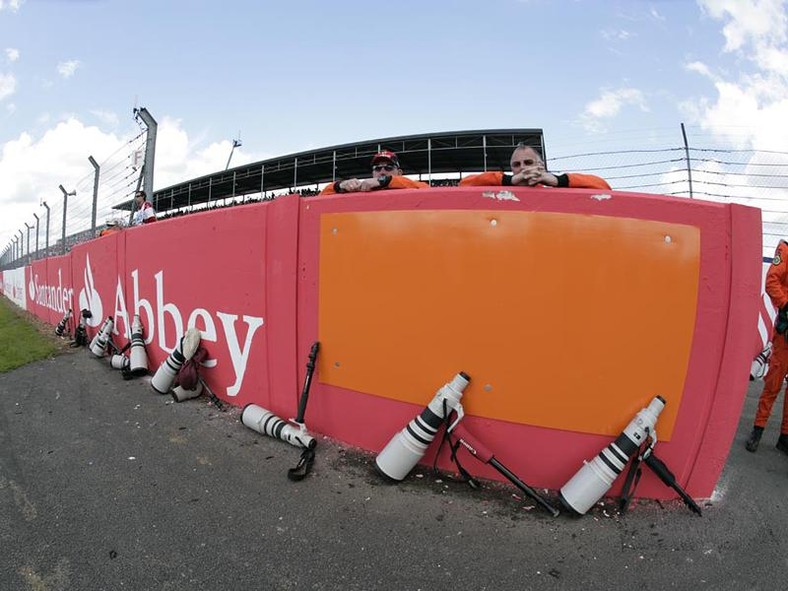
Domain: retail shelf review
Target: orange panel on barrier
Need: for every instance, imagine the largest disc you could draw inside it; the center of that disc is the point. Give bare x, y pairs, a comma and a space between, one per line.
400, 293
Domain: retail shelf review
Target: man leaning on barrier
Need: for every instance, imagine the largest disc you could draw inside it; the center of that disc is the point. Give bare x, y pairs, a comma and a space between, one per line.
777, 288
386, 174
528, 170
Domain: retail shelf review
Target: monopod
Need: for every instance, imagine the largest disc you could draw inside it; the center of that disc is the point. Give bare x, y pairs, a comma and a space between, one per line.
310, 370
663, 473
479, 451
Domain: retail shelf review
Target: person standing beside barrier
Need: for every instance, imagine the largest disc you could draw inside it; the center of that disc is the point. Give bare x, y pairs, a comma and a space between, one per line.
777, 288
528, 170
386, 174
144, 213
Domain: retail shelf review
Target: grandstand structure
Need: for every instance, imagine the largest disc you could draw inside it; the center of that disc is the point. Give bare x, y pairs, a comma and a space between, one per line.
424, 155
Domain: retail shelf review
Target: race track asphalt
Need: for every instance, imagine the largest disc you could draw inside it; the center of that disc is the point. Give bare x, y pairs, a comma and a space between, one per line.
105, 484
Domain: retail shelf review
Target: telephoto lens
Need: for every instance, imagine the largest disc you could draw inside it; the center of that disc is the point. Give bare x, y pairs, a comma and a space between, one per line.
265, 422
138, 358
165, 376
408, 446
119, 361
61, 327
595, 478
98, 346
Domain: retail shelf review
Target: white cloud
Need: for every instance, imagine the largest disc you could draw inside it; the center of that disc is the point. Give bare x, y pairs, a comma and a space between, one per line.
67, 69
616, 35
178, 159
609, 104
749, 21
701, 69
106, 117
12, 5
7, 85
12, 54
750, 108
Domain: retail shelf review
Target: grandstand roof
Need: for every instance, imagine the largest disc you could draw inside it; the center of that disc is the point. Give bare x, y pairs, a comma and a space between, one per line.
425, 154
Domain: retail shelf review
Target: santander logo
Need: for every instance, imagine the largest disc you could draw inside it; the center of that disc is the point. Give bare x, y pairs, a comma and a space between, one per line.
54, 297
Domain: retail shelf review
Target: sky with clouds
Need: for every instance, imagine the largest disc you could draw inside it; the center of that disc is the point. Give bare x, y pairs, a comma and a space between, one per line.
293, 76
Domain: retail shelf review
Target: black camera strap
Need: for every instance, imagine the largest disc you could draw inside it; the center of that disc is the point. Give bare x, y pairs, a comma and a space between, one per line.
630, 483
303, 467
465, 476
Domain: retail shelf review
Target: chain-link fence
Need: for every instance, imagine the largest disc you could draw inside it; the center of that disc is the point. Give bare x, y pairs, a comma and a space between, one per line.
82, 208
757, 178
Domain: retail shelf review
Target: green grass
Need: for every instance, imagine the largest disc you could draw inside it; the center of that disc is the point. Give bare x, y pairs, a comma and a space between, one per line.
20, 341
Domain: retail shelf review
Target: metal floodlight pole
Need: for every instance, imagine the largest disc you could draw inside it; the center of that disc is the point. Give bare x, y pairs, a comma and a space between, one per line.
95, 194
65, 208
37, 222
47, 238
236, 144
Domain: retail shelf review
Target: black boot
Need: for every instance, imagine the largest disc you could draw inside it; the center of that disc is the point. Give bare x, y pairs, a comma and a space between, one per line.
782, 443
755, 438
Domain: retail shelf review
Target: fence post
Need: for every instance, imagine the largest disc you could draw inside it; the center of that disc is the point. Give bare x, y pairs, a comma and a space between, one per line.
686, 153
65, 208
95, 195
37, 220
47, 238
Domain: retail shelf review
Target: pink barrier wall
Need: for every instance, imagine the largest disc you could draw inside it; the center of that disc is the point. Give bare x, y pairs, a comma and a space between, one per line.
248, 278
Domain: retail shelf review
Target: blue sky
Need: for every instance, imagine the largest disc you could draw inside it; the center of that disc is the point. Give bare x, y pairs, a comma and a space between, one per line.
296, 75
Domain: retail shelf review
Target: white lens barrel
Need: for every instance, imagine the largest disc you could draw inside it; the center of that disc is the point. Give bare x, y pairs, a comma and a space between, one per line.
407, 447
138, 357
265, 422
595, 478
61, 327
119, 362
164, 377
180, 394
586, 487
98, 346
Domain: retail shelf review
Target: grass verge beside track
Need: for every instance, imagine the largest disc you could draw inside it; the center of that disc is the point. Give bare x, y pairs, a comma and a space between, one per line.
22, 338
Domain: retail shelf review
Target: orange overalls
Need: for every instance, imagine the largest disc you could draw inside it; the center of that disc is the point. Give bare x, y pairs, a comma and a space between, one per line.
777, 288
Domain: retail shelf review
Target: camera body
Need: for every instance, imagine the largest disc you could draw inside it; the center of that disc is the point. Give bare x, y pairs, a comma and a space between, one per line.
98, 346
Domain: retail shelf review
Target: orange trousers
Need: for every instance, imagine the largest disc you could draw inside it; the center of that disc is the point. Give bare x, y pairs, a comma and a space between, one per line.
773, 383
